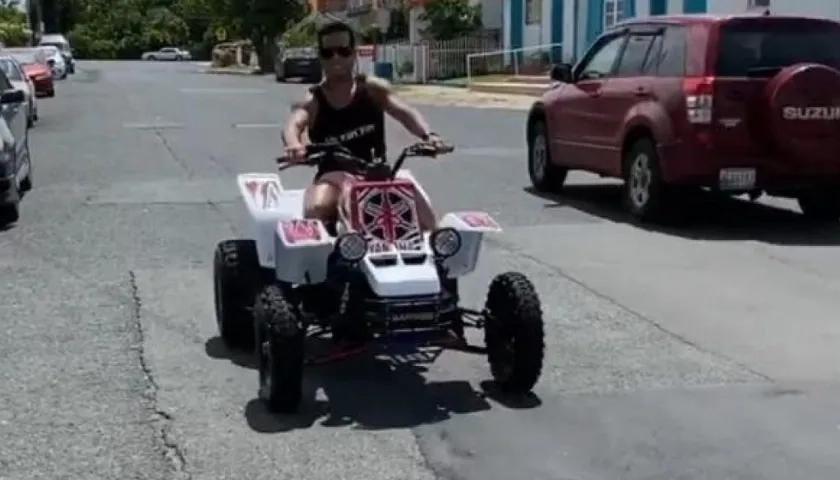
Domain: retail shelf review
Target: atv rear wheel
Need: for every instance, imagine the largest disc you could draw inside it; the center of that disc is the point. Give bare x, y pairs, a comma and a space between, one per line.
514, 333
237, 277
280, 351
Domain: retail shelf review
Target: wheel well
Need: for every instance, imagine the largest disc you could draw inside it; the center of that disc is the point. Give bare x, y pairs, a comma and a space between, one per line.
634, 135
533, 117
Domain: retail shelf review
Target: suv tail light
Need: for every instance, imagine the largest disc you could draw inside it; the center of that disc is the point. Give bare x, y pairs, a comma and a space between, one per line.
699, 99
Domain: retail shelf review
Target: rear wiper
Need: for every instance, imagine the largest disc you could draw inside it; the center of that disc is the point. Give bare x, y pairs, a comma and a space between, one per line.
763, 72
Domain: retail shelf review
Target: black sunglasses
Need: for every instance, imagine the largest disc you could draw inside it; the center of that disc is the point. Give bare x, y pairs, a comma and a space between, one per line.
328, 53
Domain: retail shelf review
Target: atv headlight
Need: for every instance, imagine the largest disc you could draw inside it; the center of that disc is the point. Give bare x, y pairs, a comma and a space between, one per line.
351, 247
445, 242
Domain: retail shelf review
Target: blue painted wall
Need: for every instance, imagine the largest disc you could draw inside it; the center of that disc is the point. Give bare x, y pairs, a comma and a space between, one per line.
594, 20
557, 30
517, 22
694, 6
658, 7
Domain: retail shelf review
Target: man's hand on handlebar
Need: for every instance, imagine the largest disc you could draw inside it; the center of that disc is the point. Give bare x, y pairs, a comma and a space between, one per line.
432, 146
295, 154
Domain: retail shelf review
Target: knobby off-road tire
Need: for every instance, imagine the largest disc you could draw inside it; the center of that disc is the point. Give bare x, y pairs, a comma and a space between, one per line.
514, 333
237, 277
280, 351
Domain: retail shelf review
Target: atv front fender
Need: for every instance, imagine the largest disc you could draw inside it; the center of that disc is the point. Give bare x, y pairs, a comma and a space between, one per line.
472, 226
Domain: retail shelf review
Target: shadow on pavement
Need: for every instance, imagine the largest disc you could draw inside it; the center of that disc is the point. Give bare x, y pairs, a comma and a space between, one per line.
708, 216
216, 348
371, 393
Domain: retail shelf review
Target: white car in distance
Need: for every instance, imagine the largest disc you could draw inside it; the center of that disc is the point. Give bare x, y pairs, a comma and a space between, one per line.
21, 81
167, 53
55, 60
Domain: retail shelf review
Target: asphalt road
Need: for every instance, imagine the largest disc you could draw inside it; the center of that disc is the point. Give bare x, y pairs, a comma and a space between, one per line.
704, 353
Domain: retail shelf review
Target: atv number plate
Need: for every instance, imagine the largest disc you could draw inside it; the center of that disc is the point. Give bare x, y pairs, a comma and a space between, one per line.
737, 179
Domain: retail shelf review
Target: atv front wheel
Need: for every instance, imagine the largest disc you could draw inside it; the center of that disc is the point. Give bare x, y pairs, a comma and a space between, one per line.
236, 279
280, 351
514, 333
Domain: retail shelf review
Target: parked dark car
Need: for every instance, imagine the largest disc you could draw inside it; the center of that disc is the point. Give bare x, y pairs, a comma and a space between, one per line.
298, 62
15, 160
741, 104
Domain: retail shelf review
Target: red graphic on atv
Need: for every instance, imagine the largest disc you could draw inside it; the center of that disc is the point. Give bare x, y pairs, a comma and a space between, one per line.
267, 189
252, 186
298, 231
479, 220
385, 211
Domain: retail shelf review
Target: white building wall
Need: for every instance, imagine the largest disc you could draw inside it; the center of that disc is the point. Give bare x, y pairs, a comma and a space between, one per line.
811, 8
676, 6
574, 29
506, 23
491, 13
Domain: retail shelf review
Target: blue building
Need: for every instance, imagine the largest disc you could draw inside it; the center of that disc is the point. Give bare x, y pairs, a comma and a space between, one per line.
570, 26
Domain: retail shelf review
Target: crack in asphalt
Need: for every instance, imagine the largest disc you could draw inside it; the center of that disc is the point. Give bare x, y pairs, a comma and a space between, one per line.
215, 206
172, 449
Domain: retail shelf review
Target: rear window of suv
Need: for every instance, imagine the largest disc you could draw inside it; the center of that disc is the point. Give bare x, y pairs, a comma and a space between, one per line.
749, 48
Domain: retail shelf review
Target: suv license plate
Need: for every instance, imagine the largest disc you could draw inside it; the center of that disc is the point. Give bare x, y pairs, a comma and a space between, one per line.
737, 179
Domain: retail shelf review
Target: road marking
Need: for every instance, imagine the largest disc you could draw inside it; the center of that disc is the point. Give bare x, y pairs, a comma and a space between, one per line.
257, 125
153, 125
222, 91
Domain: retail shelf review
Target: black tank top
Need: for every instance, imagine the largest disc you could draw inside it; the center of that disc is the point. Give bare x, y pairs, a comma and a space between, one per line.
360, 126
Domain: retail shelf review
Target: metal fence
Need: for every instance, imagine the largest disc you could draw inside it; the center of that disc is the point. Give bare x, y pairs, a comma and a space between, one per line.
435, 59
534, 60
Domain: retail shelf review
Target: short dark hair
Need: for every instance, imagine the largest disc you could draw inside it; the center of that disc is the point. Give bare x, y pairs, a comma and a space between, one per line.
336, 27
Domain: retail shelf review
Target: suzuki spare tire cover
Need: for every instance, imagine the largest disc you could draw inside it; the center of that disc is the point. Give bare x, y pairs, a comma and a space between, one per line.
804, 113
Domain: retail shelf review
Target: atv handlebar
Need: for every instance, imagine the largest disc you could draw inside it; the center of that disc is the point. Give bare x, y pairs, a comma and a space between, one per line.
317, 152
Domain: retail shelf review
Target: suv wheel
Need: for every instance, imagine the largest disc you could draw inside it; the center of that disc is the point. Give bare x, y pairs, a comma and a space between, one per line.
645, 193
545, 176
821, 205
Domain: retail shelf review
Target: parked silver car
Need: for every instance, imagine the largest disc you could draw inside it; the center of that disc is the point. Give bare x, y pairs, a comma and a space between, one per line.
14, 72
167, 53
15, 159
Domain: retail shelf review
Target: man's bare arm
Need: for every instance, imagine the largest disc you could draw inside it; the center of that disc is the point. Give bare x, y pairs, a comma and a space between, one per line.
400, 111
302, 114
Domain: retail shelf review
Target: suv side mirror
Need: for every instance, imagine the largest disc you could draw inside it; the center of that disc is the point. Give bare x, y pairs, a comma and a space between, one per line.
561, 73
12, 96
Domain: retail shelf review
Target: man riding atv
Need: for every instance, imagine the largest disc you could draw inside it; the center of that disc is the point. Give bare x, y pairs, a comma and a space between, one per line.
349, 109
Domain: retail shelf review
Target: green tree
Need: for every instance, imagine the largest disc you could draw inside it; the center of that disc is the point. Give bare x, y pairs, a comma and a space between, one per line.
125, 28
14, 27
448, 19
261, 21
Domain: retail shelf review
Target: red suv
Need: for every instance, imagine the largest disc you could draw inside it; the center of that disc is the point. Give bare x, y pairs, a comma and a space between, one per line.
740, 104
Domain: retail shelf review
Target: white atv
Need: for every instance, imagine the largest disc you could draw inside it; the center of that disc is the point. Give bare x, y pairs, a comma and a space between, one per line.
373, 275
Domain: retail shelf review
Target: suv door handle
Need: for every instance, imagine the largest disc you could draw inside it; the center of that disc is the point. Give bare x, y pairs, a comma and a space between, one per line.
642, 92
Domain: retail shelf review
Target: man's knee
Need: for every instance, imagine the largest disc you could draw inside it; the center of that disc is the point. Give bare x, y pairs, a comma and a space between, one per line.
321, 203
322, 209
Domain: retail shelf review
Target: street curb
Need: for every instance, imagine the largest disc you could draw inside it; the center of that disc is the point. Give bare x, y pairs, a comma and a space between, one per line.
466, 99
231, 71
